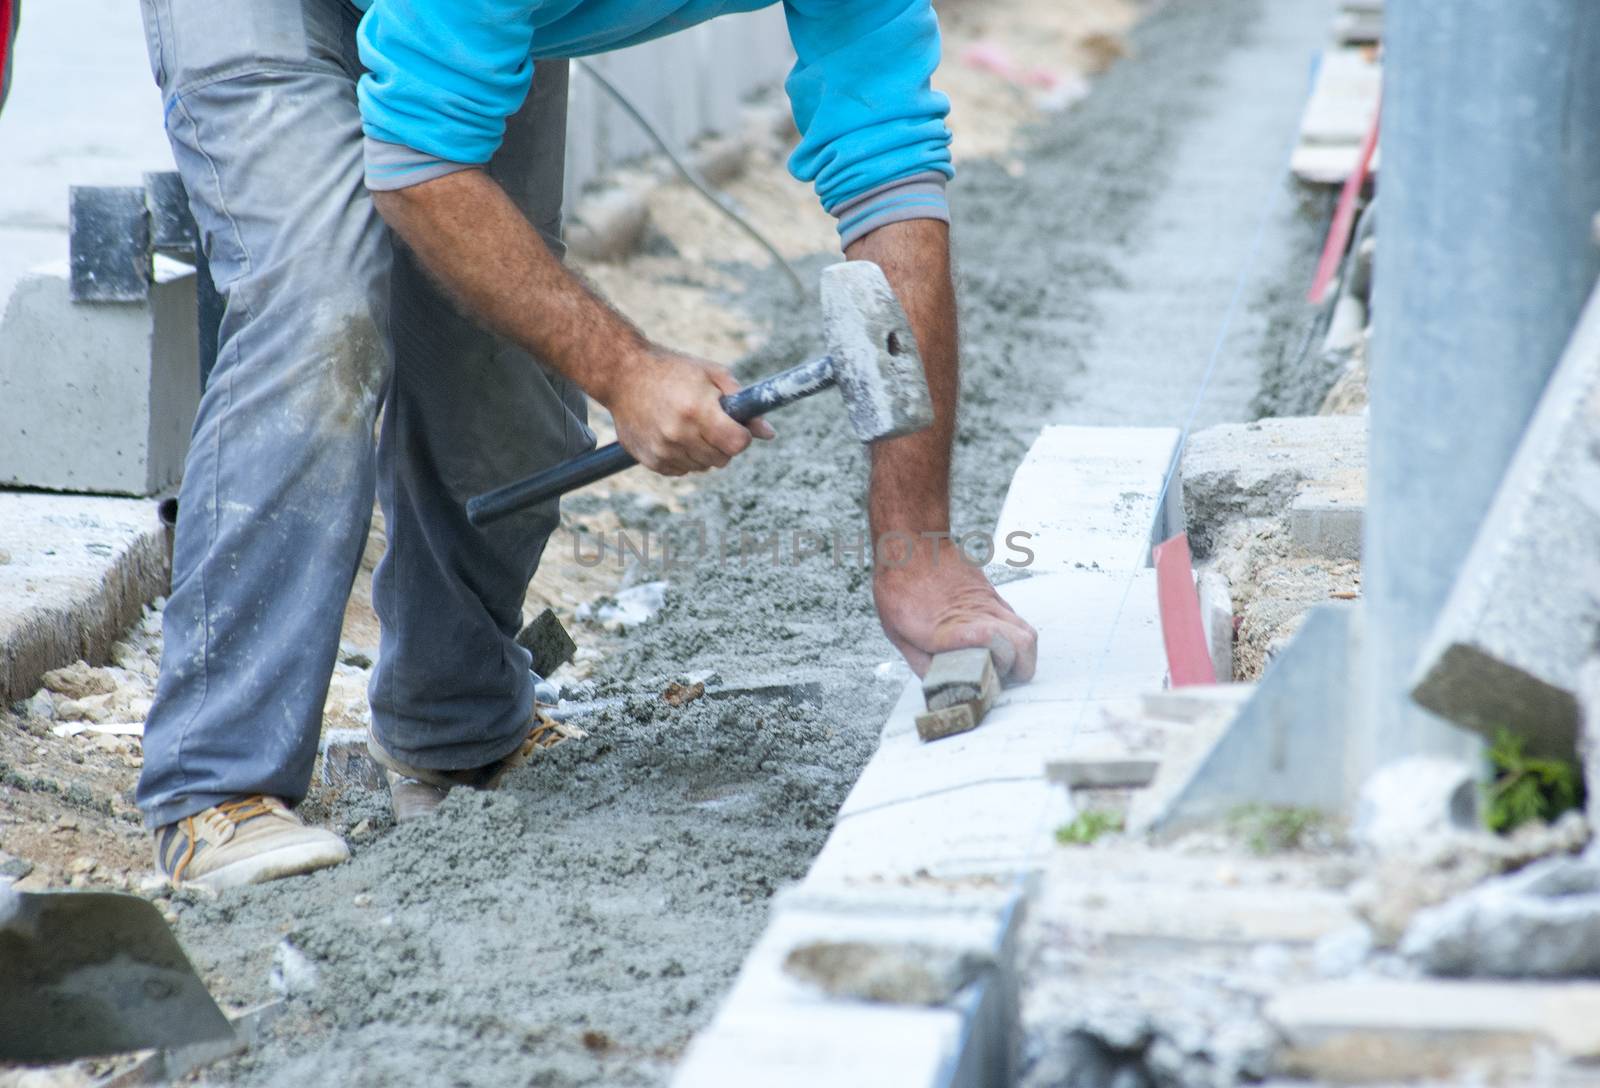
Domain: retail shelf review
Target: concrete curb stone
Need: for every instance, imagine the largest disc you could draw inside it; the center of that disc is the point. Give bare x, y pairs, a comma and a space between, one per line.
75, 572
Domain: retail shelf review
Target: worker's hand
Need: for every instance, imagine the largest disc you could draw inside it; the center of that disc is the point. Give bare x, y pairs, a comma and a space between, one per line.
941, 601
667, 415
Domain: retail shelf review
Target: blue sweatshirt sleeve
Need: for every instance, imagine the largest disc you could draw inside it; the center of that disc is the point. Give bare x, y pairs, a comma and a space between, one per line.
441, 80
873, 138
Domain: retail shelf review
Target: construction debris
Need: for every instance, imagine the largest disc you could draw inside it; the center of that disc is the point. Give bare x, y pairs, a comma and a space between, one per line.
1542, 922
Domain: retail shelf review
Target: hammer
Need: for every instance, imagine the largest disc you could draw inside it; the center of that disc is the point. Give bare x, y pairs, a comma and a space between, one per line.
872, 359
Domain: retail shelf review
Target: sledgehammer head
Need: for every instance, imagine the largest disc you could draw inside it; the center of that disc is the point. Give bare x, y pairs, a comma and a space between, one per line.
875, 357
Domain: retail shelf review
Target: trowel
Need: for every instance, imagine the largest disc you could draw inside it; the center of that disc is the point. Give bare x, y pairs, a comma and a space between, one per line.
84, 974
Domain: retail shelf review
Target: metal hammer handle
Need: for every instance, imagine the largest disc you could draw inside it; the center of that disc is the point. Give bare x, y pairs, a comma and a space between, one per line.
753, 400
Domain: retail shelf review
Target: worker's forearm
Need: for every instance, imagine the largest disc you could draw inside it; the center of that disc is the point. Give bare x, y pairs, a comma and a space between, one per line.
911, 475
487, 255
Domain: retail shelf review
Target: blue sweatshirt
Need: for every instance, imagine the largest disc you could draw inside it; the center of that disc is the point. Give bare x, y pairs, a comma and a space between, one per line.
443, 76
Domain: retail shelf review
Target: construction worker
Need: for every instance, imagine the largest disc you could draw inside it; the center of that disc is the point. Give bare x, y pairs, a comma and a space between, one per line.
379, 187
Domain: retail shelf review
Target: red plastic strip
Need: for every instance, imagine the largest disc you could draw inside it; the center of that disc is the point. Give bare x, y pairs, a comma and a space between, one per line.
1188, 656
1344, 215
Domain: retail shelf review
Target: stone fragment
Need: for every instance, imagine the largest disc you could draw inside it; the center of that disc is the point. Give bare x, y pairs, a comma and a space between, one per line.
347, 762
958, 676
90, 708
41, 706
1216, 615
548, 642
1542, 922
1521, 618
1439, 868
1409, 798
959, 688
899, 974
293, 973
79, 680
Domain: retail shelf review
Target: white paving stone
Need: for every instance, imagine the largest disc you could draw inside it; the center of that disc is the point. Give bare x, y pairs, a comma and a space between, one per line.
968, 815
1088, 497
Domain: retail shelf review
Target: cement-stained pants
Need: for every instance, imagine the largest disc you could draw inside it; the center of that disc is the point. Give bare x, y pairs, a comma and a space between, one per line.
325, 323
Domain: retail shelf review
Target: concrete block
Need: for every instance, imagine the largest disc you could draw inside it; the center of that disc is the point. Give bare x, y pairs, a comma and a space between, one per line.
1390, 1030
1245, 470
1521, 619
1541, 922
1216, 615
99, 397
1326, 520
1090, 498
75, 573
1286, 746
779, 1027
1344, 98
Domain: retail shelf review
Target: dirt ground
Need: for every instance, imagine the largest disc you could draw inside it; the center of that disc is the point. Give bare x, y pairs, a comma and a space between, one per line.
578, 926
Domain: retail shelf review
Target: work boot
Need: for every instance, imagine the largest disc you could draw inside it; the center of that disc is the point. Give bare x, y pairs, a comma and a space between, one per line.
248, 840
415, 792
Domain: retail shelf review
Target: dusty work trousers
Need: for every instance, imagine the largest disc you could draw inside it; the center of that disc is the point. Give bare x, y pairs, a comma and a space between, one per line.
325, 322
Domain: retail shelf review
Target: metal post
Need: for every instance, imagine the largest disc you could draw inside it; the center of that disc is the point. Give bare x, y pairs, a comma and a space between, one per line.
1489, 179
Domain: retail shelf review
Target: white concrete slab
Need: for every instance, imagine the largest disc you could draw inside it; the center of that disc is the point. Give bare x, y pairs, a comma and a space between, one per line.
75, 571
99, 397
1087, 498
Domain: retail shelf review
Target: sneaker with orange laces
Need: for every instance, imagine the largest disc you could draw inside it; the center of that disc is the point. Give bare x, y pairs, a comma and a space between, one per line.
248, 840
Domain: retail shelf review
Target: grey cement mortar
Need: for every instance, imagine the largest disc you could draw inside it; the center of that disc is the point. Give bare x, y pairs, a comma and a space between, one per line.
614, 887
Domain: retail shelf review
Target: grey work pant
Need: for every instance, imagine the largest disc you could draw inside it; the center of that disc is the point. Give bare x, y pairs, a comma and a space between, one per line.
324, 324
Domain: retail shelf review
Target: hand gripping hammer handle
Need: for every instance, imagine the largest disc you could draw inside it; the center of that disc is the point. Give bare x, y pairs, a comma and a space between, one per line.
753, 400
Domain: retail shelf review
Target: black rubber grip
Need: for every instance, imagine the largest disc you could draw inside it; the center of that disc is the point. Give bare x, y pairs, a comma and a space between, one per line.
567, 476
753, 400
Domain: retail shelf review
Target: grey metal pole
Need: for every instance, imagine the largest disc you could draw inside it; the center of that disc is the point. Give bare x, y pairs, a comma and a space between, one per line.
1490, 177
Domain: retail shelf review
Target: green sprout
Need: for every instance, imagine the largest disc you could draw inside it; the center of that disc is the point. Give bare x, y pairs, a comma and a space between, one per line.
1088, 827
1527, 789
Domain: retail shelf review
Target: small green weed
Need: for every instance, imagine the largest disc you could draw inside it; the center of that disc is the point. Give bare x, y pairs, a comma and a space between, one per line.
1274, 829
1525, 788
1088, 827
